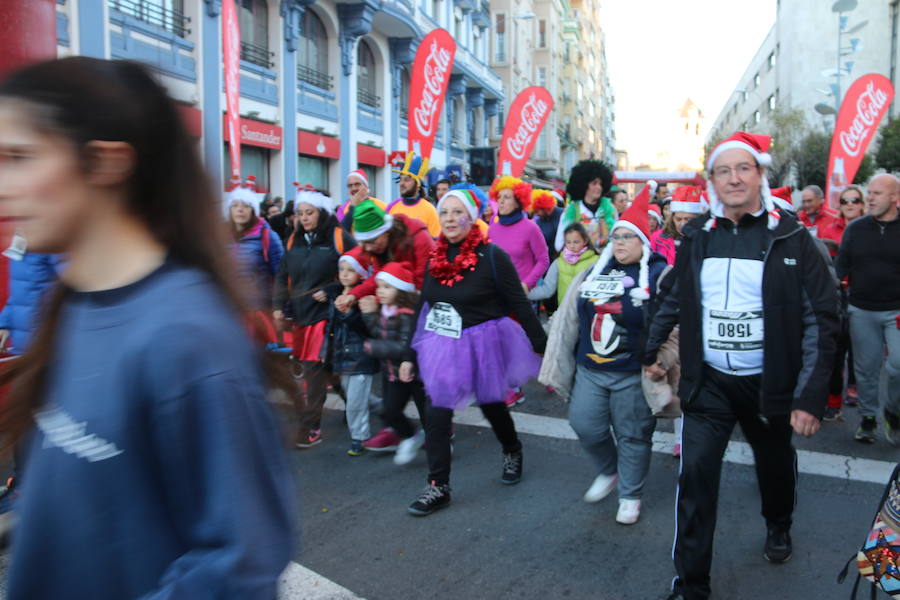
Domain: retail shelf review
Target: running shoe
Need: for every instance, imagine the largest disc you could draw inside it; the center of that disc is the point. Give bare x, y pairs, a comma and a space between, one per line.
356, 448
514, 397
435, 497
833, 414
383, 441
629, 511
866, 431
778, 547
512, 468
409, 448
308, 439
891, 427
601, 488
676, 450
852, 398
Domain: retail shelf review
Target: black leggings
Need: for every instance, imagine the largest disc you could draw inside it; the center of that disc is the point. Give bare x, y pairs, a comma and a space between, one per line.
844, 350
439, 424
396, 395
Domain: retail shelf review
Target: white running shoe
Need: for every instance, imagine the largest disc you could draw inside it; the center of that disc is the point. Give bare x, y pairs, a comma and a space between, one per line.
409, 449
629, 511
601, 488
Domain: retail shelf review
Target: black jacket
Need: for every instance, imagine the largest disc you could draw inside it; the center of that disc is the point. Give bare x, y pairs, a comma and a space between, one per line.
390, 339
308, 267
870, 257
800, 317
345, 337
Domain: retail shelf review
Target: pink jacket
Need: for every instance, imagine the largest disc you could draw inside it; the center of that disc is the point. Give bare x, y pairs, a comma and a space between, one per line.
664, 245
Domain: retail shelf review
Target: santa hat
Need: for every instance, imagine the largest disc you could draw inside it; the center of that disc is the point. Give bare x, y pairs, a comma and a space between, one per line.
758, 147
468, 199
358, 261
360, 175
688, 199
560, 196
308, 194
635, 219
654, 211
543, 200
397, 275
783, 199
242, 192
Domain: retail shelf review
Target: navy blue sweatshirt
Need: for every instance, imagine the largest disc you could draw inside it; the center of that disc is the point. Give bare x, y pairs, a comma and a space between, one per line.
156, 468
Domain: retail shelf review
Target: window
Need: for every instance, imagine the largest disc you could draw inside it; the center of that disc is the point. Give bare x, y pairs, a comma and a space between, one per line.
476, 43
404, 93
312, 66
372, 174
312, 171
436, 10
542, 76
772, 102
168, 14
772, 60
697, 129
458, 25
500, 122
254, 161
457, 127
500, 38
542, 33
254, 21
756, 80
756, 117
365, 76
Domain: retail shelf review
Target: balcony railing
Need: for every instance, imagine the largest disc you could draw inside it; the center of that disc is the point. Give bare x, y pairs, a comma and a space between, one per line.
314, 77
149, 12
368, 98
257, 55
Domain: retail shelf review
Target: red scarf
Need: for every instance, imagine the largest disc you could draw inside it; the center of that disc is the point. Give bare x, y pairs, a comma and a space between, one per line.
446, 272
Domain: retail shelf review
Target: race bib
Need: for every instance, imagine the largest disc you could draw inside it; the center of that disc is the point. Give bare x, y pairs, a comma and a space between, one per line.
444, 320
734, 331
605, 286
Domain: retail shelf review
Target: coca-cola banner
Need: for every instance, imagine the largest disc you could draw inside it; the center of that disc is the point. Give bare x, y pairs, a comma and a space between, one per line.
231, 53
527, 115
864, 106
427, 88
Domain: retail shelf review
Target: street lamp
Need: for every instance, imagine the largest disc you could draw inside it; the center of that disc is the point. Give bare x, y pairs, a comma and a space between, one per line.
824, 109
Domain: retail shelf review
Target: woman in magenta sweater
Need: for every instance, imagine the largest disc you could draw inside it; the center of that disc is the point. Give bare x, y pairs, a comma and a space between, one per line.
516, 233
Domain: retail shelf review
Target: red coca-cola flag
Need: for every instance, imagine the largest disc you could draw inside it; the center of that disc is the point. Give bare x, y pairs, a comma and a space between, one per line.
427, 88
231, 54
863, 107
527, 115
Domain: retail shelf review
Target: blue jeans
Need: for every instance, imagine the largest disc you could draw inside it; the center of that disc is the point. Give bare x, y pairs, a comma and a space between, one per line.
871, 331
604, 403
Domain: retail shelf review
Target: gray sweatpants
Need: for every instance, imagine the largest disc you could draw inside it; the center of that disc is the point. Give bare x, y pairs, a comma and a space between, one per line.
870, 332
607, 399
358, 388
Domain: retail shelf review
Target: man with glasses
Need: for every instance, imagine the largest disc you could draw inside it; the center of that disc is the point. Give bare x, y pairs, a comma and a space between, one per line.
758, 314
870, 258
815, 216
357, 190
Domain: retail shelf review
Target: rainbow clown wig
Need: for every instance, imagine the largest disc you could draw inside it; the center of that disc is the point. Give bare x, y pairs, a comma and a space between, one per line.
520, 189
543, 200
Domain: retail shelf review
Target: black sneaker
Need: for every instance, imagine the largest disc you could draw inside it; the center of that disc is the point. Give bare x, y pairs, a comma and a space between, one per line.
435, 497
833, 414
891, 427
778, 546
866, 431
512, 468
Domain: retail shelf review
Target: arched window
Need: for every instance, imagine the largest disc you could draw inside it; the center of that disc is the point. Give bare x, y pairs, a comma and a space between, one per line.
457, 128
254, 19
313, 59
365, 78
404, 93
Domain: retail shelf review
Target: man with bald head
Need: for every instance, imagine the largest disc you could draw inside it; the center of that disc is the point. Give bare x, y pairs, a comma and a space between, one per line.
870, 257
758, 318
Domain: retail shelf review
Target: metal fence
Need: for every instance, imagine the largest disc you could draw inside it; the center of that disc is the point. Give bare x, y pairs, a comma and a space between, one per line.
257, 55
150, 12
314, 77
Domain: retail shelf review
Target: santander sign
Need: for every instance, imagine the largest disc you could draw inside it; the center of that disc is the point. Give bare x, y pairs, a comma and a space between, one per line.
527, 116
428, 86
863, 108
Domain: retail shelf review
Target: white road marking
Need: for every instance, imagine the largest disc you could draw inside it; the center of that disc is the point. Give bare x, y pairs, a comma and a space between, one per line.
809, 462
299, 583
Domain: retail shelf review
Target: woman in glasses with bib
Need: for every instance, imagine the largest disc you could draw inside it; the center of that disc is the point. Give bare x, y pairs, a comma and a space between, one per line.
603, 318
467, 348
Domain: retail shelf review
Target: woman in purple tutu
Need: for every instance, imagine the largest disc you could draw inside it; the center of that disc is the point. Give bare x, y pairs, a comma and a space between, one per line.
467, 348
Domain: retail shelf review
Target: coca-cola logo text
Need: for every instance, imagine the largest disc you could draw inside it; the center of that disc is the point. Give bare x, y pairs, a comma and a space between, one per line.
868, 114
533, 113
437, 66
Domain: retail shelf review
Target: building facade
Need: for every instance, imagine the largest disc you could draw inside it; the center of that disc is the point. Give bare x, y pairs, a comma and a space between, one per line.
809, 58
324, 85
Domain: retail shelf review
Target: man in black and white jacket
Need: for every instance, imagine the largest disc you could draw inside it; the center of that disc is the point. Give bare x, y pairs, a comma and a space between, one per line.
758, 311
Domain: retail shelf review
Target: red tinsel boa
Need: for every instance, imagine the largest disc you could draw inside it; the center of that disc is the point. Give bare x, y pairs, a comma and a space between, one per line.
446, 272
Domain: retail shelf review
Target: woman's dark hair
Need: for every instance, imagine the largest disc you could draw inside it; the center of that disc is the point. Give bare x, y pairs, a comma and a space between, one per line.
407, 299
86, 99
585, 172
398, 237
669, 229
580, 230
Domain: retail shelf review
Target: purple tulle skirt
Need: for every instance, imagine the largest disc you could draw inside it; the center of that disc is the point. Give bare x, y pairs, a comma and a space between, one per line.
486, 362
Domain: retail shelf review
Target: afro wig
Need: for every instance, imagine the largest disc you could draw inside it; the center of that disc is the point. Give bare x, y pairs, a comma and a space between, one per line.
520, 189
543, 200
585, 172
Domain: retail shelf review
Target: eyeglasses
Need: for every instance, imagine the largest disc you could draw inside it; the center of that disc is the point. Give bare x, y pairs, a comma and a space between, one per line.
622, 237
743, 170
851, 200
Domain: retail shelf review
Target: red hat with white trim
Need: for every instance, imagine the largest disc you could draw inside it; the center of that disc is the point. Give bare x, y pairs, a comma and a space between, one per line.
308, 194
635, 216
758, 147
654, 211
688, 199
397, 275
359, 175
242, 192
358, 261
782, 197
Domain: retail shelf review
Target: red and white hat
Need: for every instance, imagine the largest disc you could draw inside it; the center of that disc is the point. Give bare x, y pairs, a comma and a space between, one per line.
397, 275
358, 261
307, 194
358, 175
758, 147
242, 192
688, 199
654, 212
783, 199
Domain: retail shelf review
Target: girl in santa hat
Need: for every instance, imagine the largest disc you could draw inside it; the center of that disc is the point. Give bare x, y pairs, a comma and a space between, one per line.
596, 339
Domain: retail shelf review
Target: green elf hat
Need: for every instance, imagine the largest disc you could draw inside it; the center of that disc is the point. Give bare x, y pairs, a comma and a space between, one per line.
415, 167
469, 201
369, 221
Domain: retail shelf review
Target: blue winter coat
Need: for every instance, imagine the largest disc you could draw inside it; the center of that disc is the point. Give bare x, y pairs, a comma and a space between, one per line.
257, 269
28, 279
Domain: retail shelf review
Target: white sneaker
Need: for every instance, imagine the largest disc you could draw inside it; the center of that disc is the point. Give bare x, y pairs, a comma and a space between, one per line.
409, 448
600, 489
629, 512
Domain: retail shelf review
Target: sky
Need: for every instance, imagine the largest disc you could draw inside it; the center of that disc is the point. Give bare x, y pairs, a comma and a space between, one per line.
661, 52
